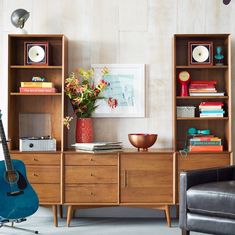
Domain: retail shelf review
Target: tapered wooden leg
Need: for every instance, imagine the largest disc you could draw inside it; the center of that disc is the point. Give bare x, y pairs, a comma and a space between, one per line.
54, 208
185, 232
69, 215
168, 216
61, 211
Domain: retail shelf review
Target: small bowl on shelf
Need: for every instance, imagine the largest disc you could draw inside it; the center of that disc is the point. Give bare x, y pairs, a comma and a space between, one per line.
142, 141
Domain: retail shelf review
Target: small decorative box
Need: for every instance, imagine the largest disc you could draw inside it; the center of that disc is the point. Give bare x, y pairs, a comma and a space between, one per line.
185, 111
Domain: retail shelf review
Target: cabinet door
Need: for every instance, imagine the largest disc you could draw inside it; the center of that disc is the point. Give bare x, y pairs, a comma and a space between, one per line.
201, 161
146, 178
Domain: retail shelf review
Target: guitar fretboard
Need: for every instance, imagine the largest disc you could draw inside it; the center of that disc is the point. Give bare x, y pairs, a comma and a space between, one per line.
8, 162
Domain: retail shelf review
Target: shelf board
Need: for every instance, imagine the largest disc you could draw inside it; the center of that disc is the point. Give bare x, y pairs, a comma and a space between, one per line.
200, 97
201, 67
36, 94
201, 118
35, 67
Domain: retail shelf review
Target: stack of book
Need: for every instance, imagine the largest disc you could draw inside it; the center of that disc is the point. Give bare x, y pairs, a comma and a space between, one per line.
204, 88
98, 146
37, 87
211, 109
205, 143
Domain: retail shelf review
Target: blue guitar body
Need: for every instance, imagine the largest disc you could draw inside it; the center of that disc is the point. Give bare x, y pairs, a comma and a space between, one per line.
17, 197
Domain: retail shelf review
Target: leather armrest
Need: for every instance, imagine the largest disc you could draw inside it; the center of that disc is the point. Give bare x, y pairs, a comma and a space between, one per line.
195, 177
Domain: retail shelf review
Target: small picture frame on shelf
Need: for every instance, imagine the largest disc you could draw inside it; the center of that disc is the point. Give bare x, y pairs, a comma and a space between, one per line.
36, 53
200, 53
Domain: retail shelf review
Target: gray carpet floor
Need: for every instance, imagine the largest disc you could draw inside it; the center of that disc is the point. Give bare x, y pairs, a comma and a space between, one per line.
97, 226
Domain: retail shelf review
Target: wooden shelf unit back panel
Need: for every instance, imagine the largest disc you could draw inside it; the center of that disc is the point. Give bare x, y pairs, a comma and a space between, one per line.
181, 46
16, 45
218, 75
146, 178
35, 104
197, 102
216, 126
25, 75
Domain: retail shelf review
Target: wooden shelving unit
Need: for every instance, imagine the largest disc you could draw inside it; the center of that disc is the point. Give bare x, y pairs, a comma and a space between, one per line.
220, 126
43, 168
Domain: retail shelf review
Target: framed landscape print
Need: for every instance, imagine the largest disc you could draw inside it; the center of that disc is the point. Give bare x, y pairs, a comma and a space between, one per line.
125, 93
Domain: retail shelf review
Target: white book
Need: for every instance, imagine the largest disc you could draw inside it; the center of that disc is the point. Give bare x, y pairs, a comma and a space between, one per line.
206, 94
207, 107
212, 115
98, 145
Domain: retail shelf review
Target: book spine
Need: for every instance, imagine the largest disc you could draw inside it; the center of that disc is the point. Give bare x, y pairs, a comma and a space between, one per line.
203, 82
212, 115
206, 139
207, 143
37, 89
37, 84
212, 111
208, 103
206, 93
203, 148
210, 108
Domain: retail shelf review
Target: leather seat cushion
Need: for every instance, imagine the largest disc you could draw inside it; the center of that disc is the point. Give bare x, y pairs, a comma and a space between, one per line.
217, 199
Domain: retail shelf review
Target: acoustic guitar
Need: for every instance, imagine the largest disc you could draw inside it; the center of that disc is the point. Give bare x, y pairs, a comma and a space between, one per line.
17, 197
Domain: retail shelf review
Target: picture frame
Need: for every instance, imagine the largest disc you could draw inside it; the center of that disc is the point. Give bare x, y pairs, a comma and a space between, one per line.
200, 53
126, 85
36, 53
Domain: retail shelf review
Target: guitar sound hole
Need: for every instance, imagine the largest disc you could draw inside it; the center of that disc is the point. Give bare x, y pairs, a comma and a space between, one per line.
12, 177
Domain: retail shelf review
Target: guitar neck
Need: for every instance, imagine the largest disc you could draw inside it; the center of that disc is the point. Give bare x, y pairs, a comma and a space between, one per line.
8, 163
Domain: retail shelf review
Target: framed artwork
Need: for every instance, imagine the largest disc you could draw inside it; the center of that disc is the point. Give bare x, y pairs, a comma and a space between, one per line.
200, 53
36, 53
125, 93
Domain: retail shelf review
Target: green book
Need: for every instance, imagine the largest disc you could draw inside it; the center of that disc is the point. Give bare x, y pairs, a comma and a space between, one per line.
199, 143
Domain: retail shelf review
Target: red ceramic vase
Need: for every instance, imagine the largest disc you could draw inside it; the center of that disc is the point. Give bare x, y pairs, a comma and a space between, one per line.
84, 130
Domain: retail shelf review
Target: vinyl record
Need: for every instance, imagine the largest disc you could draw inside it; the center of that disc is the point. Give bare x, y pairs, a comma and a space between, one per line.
200, 54
36, 54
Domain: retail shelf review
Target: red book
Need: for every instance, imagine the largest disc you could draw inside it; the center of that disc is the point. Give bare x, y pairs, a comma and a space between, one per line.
201, 86
206, 148
203, 82
211, 103
37, 90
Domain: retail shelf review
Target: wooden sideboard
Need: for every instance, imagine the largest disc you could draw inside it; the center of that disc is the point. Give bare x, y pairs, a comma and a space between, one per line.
127, 178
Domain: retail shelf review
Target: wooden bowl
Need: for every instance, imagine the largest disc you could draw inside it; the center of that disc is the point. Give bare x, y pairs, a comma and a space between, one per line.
142, 141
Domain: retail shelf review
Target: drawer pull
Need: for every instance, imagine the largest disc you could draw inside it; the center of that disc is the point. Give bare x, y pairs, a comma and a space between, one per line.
92, 193
35, 159
91, 174
34, 174
91, 159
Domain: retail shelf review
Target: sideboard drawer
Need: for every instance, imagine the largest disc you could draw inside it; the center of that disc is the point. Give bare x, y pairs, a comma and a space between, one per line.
91, 159
91, 174
47, 193
93, 193
37, 158
45, 174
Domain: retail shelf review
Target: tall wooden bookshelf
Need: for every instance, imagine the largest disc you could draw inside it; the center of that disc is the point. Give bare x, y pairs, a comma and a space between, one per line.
43, 168
219, 126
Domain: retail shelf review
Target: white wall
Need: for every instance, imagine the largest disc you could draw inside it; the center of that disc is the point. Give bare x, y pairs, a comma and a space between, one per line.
121, 31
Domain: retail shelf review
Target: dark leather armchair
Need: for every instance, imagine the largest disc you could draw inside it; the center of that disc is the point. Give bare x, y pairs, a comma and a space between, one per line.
207, 201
